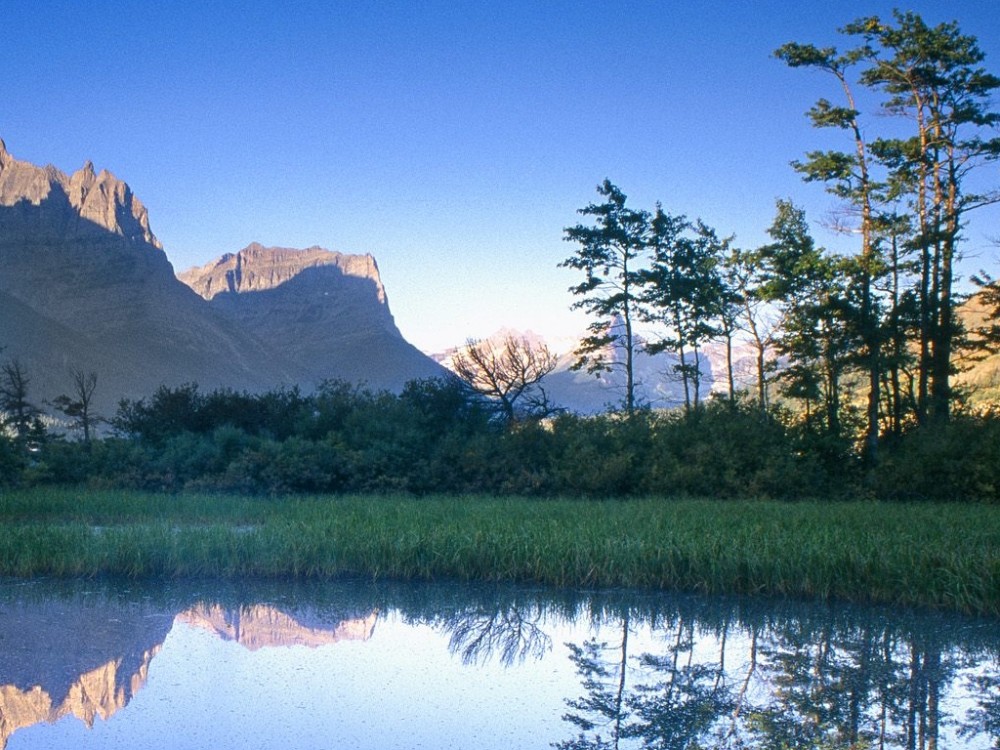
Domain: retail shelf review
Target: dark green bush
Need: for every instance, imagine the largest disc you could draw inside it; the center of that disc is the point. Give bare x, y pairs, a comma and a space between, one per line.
438, 437
954, 462
11, 463
730, 450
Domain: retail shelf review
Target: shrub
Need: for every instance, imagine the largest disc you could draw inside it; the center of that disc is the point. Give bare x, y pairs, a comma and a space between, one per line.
957, 461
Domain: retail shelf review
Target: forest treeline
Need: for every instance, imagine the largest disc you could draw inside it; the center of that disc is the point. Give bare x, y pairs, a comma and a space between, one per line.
874, 331
439, 436
855, 353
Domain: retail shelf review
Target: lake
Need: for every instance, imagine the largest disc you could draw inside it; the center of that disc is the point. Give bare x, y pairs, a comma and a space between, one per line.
103, 664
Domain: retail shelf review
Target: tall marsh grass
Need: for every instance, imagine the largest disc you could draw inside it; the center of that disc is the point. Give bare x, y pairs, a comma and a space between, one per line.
935, 555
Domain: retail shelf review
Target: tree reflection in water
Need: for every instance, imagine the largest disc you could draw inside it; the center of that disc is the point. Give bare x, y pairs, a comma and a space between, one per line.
643, 670
511, 633
775, 675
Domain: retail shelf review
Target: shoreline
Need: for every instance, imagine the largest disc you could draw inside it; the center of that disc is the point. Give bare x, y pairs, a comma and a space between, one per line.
927, 555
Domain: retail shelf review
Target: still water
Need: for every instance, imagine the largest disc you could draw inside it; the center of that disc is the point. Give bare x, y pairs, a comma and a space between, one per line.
364, 665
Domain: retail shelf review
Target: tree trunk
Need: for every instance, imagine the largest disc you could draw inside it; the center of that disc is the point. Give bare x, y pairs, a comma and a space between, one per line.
730, 379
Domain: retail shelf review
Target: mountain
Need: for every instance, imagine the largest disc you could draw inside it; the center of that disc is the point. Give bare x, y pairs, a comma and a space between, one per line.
979, 376
656, 384
88, 655
326, 313
81, 655
85, 284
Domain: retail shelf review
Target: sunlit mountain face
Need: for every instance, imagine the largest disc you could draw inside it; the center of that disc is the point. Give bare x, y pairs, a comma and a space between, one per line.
86, 285
261, 626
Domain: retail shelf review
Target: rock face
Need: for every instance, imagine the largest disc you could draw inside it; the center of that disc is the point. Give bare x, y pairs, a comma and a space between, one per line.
260, 269
326, 313
85, 284
51, 206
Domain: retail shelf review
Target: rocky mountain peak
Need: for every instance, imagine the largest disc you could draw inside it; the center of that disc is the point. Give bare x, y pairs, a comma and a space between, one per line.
102, 199
84, 283
327, 311
256, 268
263, 626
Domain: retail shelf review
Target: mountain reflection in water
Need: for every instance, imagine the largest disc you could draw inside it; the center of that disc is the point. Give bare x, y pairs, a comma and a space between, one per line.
85, 653
486, 667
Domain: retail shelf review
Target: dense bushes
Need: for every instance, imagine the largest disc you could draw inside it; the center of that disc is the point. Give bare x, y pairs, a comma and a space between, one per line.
956, 461
436, 436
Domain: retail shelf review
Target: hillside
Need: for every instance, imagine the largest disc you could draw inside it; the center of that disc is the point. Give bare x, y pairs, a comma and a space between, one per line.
85, 284
325, 313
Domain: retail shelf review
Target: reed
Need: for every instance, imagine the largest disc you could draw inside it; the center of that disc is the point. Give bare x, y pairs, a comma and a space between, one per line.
944, 556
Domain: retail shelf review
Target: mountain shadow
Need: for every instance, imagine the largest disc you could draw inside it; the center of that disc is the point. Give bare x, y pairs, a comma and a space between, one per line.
85, 285
325, 313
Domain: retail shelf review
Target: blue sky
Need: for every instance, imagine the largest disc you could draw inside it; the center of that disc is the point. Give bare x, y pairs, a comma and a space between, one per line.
452, 140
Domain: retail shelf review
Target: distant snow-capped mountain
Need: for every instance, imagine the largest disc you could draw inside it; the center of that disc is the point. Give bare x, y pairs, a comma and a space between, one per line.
657, 383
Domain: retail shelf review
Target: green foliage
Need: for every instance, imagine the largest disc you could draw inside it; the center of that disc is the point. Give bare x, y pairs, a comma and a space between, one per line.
950, 463
601, 456
933, 555
683, 289
807, 287
911, 190
731, 451
12, 461
439, 437
172, 411
610, 254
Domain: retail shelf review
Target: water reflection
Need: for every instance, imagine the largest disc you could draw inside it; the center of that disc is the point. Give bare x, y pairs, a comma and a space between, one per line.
780, 675
260, 626
84, 657
364, 665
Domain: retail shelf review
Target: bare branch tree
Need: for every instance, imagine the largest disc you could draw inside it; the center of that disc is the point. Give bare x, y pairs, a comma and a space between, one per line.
509, 373
79, 406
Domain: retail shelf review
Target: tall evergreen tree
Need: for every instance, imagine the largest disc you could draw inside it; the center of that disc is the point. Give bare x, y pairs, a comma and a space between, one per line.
684, 291
814, 335
745, 275
849, 176
735, 277
933, 77
610, 254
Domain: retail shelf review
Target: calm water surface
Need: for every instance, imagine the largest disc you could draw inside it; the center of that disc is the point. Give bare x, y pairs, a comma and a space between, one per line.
106, 665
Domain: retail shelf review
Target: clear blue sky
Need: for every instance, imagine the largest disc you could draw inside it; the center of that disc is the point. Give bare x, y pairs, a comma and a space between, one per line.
452, 140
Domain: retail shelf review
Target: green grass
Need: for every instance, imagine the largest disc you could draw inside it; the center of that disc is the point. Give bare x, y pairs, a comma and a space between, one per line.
944, 556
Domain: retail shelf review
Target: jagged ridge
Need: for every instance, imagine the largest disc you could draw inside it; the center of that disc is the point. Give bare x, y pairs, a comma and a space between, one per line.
85, 284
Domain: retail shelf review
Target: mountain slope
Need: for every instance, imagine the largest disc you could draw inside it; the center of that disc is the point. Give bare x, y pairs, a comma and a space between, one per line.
85, 284
324, 313
79, 263
979, 375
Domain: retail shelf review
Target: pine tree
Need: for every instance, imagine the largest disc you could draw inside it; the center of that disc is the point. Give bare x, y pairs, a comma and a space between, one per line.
610, 254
